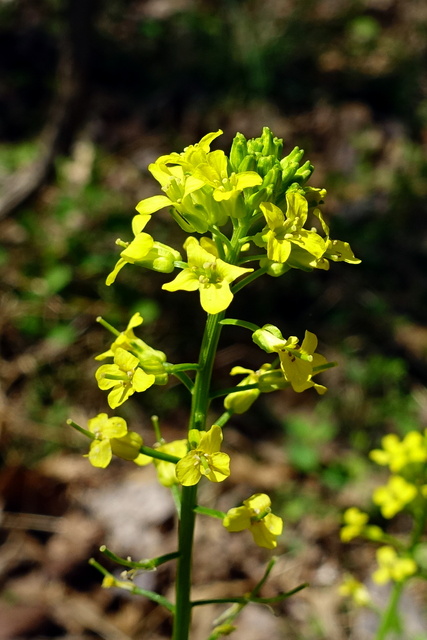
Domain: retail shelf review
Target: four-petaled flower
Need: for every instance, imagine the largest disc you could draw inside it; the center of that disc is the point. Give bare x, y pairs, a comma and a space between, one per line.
112, 437
126, 339
354, 524
299, 371
204, 458
123, 377
397, 454
144, 251
208, 274
357, 591
286, 229
255, 515
299, 363
214, 172
392, 567
151, 361
394, 496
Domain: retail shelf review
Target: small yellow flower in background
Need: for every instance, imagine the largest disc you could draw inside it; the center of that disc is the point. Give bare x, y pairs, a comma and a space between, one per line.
124, 377
208, 274
354, 524
350, 587
204, 458
394, 496
397, 454
391, 567
255, 515
111, 437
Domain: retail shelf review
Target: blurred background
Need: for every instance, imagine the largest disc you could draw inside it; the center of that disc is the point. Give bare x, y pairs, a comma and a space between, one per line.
91, 92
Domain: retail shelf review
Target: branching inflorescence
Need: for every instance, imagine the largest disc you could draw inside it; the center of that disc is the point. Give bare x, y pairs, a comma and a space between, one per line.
247, 215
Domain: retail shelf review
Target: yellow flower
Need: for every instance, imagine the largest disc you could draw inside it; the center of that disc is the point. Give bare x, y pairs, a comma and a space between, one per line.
357, 591
204, 458
255, 515
300, 371
397, 454
354, 524
111, 437
182, 187
125, 340
150, 360
394, 496
124, 377
144, 251
166, 471
208, 274
266, 378
391, 567
299, 363
214, 172
241, 401
286, 229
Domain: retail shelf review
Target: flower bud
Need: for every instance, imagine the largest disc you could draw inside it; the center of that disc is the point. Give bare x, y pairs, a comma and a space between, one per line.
269, 338
248, 163
127, 447
288, 172
274, 269
238, 151
304, 172
152, 361
160, 258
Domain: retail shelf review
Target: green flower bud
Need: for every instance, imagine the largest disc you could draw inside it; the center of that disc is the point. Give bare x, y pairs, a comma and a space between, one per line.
238, 152
270, 144
248, 163
254, 200
269, 338
127, 447
273, 177
240, 401
304, 172
274, 269
288, 172
159, 258
295, 155
152, 361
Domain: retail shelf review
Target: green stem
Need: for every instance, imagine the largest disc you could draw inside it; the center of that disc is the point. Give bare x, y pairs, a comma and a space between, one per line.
199, 409
214, 513
146, 565
390, 618
224, 418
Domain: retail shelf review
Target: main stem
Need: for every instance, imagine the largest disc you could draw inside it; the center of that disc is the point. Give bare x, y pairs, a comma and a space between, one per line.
199, 409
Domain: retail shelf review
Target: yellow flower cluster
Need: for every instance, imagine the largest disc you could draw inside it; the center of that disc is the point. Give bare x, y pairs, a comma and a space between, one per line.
135, 366
406, 489
205, 190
